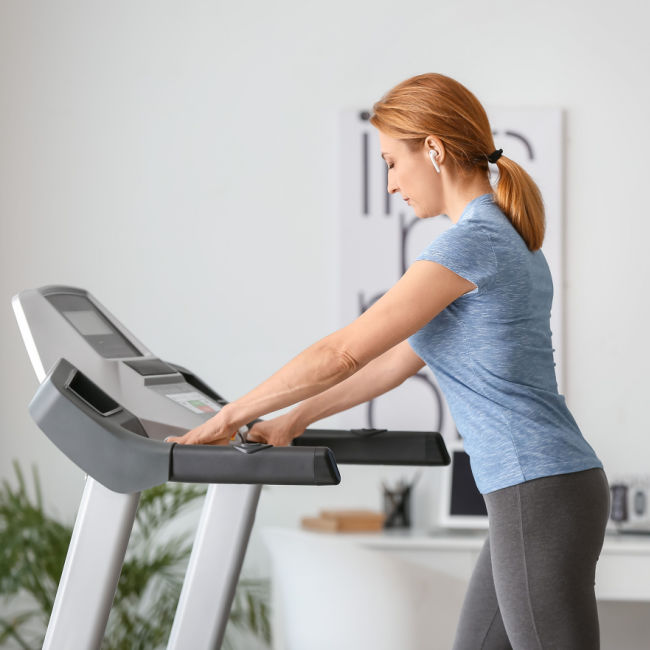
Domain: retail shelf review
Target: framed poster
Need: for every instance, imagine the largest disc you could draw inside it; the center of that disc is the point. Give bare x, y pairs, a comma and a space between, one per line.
381, 236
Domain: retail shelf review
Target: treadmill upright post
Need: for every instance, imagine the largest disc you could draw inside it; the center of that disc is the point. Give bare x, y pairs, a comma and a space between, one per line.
92, 568
215, 563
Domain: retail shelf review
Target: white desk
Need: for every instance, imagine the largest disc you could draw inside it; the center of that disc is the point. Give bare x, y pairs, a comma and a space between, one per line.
397, 589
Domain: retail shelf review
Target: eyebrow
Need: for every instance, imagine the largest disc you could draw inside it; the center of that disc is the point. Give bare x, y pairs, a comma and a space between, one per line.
385, 153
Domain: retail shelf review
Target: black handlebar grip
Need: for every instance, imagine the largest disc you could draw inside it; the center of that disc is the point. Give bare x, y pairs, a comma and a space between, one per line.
270, 465
378, 446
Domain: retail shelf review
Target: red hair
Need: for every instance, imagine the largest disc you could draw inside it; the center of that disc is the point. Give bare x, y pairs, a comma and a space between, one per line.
433, 104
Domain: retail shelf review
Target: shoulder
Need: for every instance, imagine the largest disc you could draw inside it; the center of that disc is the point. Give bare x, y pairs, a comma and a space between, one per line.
487, 217
471, 237
488, 226
466, 248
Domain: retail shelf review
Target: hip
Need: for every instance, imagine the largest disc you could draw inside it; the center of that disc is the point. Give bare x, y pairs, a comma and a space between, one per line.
571, 508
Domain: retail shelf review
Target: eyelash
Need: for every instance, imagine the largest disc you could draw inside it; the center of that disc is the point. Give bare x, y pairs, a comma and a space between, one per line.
391, 165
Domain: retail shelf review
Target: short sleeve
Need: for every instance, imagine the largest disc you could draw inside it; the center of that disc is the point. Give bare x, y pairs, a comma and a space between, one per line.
465, 249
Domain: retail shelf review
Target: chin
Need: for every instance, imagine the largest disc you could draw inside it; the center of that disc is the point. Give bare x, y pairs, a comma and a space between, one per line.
423, 212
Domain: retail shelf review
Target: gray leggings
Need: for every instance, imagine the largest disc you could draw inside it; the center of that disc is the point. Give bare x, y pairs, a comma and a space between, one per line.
533, 584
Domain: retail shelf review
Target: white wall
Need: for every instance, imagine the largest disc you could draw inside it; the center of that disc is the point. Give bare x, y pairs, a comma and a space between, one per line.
178, 159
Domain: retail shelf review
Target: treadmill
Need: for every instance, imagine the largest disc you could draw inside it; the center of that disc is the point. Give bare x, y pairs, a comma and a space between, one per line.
108, 403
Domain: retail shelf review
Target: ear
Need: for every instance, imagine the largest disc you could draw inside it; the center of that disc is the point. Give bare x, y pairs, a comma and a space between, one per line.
433, 142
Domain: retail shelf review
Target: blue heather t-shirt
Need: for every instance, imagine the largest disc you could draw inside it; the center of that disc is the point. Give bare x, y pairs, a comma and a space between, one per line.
491, 353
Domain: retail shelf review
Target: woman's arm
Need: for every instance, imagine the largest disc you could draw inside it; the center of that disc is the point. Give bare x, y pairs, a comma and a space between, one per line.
422, 292
376, 378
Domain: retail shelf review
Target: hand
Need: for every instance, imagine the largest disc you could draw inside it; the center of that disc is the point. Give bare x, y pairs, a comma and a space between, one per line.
218, 430
279, 431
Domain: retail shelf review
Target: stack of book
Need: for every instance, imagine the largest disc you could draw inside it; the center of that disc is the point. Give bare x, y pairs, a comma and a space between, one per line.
345, 521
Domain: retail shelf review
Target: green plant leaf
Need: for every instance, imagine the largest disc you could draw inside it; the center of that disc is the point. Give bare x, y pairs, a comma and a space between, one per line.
33, 548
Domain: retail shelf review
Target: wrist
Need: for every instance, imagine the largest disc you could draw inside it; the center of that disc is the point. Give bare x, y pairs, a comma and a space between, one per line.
298, 419
229, 416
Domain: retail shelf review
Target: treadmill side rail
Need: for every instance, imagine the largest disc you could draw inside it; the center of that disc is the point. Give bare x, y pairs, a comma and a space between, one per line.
379, 447
271, 465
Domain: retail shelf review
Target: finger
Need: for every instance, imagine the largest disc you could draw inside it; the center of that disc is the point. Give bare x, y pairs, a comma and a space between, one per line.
189, 438
177, 439
254, 436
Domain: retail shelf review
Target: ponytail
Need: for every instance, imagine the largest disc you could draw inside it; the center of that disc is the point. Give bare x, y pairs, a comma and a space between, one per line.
519, 198
433, 104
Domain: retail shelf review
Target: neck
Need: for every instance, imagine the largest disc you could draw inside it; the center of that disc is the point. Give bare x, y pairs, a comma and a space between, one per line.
459, 195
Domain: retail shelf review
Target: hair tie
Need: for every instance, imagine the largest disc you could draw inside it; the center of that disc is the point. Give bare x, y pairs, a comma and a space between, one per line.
495, 155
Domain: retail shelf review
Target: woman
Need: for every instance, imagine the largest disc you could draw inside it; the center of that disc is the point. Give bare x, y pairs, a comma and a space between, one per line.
475, 307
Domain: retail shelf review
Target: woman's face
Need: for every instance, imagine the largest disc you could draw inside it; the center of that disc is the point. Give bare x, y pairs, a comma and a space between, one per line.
412, 174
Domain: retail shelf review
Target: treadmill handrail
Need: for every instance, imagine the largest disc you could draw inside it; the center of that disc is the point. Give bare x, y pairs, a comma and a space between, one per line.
271, 466
113, 447
379, 446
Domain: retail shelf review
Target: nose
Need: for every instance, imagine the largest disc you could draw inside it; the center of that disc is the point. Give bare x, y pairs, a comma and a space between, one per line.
392, 187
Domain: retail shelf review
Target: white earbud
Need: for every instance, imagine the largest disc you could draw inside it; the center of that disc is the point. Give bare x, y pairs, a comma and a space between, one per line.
433, 155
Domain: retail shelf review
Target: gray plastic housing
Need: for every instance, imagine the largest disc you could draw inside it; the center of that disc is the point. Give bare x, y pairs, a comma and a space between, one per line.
109, 443
50, 336
112, 448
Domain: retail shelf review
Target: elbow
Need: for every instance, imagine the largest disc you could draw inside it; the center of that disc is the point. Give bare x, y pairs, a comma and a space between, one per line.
333, 363
347, 363
339, 363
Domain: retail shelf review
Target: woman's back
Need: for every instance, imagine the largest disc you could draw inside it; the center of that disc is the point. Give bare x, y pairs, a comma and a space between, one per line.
492, 354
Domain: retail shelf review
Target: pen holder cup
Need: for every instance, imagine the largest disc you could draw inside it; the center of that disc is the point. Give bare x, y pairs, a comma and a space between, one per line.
397, 508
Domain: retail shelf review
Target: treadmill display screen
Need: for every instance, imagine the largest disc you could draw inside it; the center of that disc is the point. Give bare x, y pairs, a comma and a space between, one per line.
94, 326
195, 402
88, 323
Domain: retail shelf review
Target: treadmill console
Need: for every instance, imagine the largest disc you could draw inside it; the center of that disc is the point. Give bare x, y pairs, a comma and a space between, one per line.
59, 321
67, 322
92, 325
109, 443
